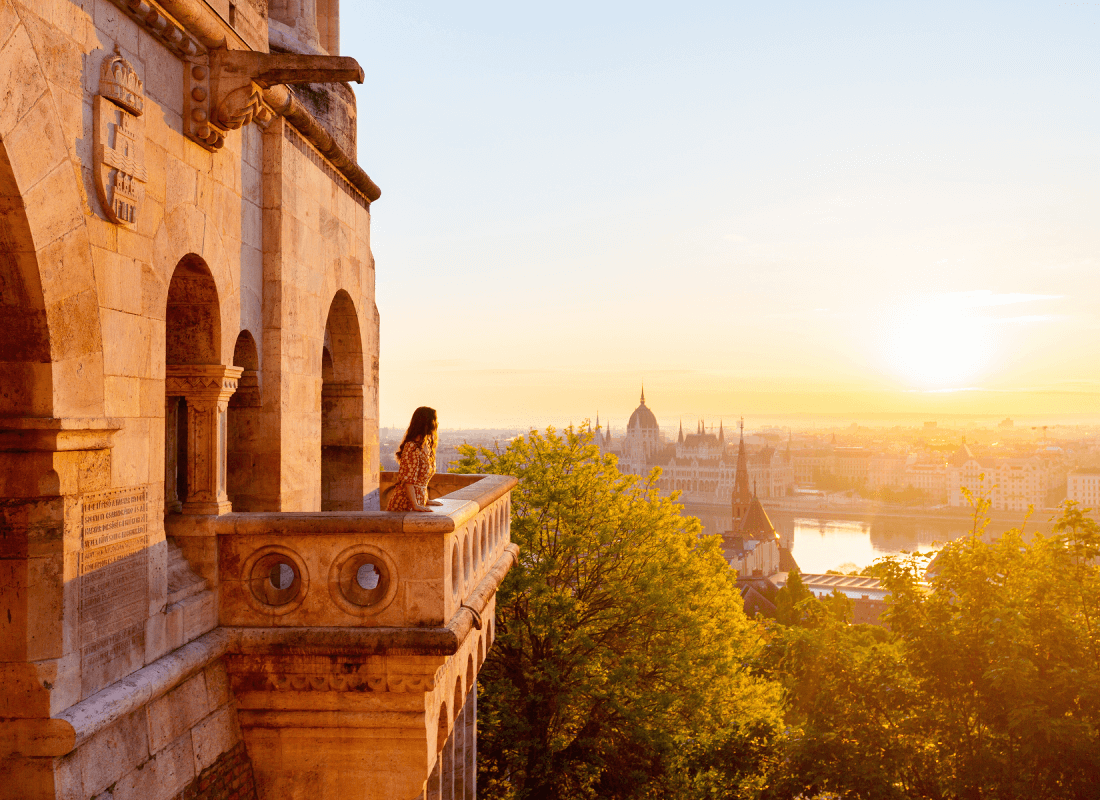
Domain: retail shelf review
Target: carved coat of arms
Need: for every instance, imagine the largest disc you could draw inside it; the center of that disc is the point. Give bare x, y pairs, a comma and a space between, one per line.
119, 152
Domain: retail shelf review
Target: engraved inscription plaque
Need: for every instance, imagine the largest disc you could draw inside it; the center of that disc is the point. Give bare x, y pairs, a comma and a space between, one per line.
114, 585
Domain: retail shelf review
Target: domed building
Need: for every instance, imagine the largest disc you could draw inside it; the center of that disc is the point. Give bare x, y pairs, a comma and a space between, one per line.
643, 434
702, 466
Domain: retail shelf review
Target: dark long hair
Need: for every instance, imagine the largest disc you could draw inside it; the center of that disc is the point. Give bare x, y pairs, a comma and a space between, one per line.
422, 428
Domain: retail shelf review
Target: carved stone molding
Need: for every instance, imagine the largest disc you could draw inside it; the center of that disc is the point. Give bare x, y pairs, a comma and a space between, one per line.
160, 25
321, 682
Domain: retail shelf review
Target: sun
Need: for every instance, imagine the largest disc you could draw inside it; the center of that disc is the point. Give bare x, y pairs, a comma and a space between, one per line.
934, 345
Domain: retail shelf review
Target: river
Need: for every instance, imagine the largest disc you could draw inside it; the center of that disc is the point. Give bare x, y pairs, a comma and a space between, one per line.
821, 540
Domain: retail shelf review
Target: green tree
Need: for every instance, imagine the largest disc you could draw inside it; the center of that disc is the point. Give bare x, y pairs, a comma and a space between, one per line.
1002, 645
790, 599
987, 684
618, 669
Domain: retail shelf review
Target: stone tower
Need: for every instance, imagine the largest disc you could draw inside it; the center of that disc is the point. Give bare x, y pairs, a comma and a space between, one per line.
188, 377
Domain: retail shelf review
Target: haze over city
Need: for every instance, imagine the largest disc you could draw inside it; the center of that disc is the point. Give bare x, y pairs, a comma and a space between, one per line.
775, 209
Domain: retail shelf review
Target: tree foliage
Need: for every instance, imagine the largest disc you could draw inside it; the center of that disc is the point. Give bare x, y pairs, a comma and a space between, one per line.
986, 686
618, 667
624, 666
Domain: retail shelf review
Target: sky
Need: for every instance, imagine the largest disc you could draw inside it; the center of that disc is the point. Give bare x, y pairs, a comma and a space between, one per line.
758, 209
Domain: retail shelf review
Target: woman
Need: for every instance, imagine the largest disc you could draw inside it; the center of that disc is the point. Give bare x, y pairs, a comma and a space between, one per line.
416, 458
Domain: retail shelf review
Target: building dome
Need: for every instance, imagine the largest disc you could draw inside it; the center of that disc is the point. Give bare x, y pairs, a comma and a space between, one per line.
642, 418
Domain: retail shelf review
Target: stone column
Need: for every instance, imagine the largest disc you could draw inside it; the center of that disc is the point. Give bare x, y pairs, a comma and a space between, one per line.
171, 450
207, 389
469, 714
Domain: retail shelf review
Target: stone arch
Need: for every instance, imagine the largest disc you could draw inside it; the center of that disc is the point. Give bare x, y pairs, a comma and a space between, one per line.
26, 379
471, 672
342, 424
192, 333
243, 426
51, 362
197, 391
186, 228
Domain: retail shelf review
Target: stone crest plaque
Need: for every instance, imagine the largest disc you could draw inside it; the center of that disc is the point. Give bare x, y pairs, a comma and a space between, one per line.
114, 585
119, 152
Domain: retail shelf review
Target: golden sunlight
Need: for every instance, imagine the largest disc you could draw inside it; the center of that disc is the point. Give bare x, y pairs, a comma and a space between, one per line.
938, 344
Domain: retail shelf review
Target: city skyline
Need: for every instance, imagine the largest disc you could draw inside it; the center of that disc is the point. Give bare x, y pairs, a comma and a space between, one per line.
780, 211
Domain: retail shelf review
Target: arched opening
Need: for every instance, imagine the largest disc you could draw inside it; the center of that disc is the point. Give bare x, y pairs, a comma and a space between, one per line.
197, 391
342, 427
441, 730
26, 379
243, 426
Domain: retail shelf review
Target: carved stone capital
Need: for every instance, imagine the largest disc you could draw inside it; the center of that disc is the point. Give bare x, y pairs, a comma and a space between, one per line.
201, 382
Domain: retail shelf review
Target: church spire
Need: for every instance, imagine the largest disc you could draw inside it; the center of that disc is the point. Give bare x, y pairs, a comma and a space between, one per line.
681, 439
721, 434
742, 497
643, 393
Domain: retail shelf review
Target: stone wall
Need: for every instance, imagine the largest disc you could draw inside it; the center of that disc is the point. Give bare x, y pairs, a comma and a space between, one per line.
185, 743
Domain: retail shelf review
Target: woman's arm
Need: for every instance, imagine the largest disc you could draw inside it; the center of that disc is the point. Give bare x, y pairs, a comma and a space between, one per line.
410, 493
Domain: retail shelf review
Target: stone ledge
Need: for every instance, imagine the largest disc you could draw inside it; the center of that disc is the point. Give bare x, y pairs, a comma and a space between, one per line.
143, 686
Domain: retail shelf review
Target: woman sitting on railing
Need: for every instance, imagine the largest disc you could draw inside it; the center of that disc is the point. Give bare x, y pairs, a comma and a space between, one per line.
416, 460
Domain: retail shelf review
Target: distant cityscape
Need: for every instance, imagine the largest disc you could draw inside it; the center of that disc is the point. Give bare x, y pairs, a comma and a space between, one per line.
925, 466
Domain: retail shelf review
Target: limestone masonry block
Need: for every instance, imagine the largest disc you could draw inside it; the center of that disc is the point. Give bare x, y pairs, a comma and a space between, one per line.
176, 712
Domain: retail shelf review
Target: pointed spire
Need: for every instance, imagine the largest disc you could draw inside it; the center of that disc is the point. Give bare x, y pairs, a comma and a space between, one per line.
597, 419
681, 439
741, 497
643, 393
721, 433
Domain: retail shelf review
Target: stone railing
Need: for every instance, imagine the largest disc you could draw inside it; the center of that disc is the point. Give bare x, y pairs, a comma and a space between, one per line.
357, 637
356, 569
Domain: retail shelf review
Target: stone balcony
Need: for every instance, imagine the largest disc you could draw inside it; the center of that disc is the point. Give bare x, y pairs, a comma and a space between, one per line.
353, 639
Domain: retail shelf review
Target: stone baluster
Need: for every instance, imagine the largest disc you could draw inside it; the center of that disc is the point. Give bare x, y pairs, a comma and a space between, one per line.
207, 389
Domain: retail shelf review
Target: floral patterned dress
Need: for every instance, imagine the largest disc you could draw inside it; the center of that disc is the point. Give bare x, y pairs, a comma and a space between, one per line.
417, 466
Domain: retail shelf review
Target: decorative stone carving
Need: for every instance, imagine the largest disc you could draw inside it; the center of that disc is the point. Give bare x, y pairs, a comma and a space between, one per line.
206, 390
354, 682
119, 152
224, 90
159, 25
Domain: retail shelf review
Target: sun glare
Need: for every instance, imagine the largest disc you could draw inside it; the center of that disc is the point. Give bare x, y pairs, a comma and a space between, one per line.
938, 344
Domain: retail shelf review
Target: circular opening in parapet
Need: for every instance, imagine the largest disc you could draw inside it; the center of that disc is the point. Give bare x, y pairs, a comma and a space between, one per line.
364, 579
276, 579
456, 577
